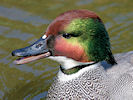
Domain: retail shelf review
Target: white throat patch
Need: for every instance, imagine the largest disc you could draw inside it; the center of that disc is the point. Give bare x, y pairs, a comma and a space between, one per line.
68, 63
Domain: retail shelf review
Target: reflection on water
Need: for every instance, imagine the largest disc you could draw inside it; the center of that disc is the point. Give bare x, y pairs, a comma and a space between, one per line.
20, 15
39, 96
18, 34
3, 29
83, 2
14, 33
21, 23
1, 93
109, 6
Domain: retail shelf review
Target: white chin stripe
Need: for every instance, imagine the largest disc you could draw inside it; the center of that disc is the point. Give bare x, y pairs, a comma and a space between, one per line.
67, 63
44, 37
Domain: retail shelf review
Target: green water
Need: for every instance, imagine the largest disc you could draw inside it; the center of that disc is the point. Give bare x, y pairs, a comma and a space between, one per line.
22, 22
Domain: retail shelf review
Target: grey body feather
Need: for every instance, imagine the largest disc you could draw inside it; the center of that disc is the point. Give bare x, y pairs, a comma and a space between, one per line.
105, 82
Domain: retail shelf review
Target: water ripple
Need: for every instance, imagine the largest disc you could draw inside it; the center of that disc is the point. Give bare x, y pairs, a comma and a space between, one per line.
19, 35
28, 69
83, 2
40, 96
18, 14
1, 94
3, 29
102, 8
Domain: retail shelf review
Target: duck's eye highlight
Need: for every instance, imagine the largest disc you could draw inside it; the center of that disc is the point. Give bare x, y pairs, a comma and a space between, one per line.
67, 36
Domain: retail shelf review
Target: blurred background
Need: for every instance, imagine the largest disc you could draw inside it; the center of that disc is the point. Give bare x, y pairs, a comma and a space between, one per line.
22, 22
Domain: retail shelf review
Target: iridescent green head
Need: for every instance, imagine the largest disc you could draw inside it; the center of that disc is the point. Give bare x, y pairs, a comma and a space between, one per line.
81, 35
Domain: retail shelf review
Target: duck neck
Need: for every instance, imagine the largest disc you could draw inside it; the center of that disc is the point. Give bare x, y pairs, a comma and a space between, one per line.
75, 68
69, 66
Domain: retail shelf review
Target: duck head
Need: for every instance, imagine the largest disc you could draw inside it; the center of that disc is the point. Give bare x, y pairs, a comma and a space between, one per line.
78, 35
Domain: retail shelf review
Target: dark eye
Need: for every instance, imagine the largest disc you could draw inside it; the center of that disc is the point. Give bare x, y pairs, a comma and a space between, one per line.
67, 35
